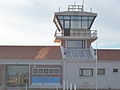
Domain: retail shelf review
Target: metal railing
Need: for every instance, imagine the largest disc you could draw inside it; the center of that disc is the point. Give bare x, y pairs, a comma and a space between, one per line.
79, 54
78, 33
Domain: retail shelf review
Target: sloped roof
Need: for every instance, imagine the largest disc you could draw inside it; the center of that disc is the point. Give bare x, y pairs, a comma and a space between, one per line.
30, 52
108, 55
49, 53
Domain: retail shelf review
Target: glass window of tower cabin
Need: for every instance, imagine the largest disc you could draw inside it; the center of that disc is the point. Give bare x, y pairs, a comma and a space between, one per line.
75, 22
67, 24
76, 44
85, 22
90, 21
60, 18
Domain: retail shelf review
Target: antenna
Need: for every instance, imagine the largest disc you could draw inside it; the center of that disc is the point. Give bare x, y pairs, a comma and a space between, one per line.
83, 2
74, 6
90, 9
59, 8
74, 3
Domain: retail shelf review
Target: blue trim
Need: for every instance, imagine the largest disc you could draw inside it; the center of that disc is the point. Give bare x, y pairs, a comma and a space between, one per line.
45, 80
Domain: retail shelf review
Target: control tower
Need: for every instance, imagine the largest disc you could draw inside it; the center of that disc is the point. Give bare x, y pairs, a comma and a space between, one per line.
74, 32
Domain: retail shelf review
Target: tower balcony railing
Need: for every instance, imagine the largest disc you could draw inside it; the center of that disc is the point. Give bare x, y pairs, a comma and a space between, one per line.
77, 33
87, 53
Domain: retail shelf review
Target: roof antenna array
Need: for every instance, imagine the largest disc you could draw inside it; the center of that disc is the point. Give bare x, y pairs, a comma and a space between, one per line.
76, 7
90, 9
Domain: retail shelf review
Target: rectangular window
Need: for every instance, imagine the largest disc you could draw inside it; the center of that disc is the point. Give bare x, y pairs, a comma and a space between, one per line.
86, 72
51, 71
115, 70
57, 71
17, 75
76, 24
45, 71
67, 24
40, 71
101, 71
76, 44
67, 17
35, 71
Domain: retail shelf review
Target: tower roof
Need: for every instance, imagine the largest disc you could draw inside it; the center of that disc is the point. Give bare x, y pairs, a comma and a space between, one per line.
76, 13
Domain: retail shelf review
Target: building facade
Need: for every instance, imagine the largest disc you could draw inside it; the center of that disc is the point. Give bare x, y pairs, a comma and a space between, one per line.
72, 64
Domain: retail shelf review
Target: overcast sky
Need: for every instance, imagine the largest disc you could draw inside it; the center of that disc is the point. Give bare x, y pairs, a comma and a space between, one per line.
30, 22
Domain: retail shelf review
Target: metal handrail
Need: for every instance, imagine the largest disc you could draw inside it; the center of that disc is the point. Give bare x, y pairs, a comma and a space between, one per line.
82, 33
79, 57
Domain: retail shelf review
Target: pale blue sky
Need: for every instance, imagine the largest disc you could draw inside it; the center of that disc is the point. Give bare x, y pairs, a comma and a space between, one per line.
30, 22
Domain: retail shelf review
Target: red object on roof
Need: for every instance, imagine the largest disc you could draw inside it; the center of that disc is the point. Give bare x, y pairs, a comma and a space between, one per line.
108, 54
30, 52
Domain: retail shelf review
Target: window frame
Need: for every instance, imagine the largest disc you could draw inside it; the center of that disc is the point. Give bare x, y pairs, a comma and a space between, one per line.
46, 73
88, 19
81, 73
83, 43
115, 70
99, 73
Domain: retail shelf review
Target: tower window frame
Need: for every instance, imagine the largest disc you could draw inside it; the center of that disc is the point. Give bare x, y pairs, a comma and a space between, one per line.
73, 44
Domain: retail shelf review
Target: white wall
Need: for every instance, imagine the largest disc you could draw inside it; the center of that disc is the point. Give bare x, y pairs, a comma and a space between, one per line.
110, 79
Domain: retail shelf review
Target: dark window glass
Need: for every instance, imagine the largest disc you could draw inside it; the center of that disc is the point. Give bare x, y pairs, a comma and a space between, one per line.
86, 72
40, 71
57, 71
101, 71
115, 70
51, 71
45, 71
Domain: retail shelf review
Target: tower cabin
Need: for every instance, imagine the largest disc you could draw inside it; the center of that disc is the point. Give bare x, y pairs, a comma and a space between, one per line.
74, 32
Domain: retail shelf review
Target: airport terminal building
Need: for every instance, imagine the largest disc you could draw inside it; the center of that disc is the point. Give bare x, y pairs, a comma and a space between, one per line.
74, 63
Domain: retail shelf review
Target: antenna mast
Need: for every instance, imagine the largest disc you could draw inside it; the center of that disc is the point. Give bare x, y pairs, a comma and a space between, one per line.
83, 2
59, 8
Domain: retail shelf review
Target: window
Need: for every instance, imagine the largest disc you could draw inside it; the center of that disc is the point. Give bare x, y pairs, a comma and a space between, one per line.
115, 70
67, 24
67, 17
45, 71
40, 71
57, 71
35, 71
75, 22
17, 75
51, 71
76, 44
86, 72
101, 71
